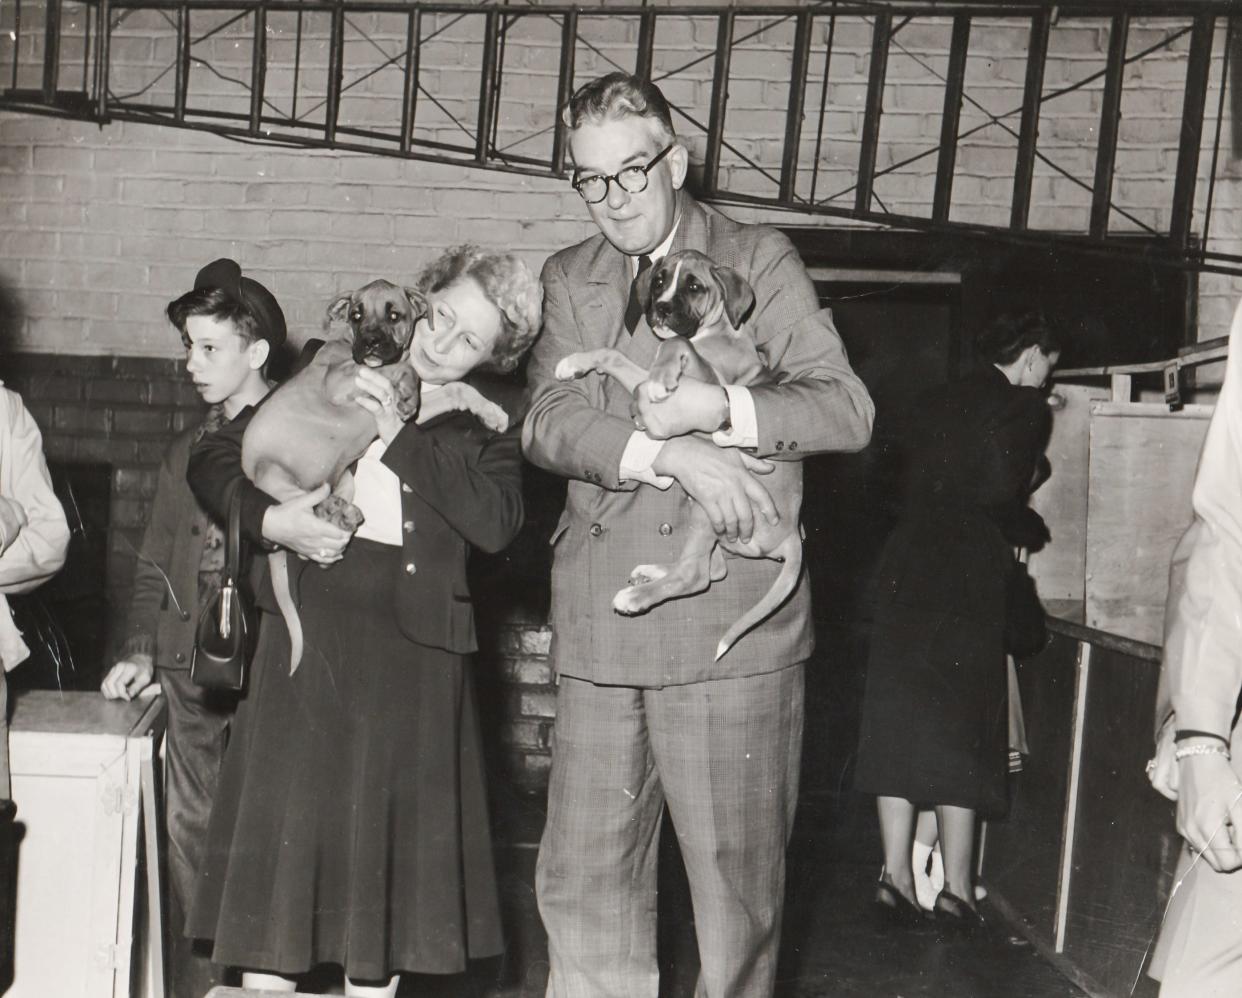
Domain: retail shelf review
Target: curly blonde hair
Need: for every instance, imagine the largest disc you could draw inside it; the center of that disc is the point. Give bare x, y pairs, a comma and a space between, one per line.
509, 285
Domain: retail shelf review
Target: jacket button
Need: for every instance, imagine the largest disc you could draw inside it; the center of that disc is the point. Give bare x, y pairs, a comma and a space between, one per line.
666, 529
780, 445
194, 530
408, 526
185, 614
596, 530
179, 657
409, 568
405, 488
793, 445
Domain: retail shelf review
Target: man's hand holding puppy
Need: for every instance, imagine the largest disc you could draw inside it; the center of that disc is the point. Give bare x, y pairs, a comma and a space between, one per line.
723, 482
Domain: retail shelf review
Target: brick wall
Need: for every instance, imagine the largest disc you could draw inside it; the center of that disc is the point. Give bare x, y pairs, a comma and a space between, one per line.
99, 227
119, 411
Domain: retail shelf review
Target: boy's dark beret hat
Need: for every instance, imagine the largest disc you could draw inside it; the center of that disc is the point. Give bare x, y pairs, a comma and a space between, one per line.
226, 275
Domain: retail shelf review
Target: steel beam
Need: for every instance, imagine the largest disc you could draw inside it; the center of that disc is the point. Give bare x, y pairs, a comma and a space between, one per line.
881, 35
1110, 117
1198, 73
954, 86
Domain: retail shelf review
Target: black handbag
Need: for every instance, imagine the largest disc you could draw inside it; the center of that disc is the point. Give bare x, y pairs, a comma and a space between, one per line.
224, 640
1026, 630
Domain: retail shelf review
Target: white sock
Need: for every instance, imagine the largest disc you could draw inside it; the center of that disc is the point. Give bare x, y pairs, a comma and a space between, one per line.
252, 980
388, 990
923, 889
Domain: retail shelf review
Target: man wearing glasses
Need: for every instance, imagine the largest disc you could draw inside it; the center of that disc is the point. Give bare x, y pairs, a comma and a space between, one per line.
644, 715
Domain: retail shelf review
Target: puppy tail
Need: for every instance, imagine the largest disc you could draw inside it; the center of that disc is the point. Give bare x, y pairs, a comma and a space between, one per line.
278, 564
790, 554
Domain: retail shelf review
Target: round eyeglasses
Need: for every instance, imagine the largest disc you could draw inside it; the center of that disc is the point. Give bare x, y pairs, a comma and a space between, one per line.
632, 180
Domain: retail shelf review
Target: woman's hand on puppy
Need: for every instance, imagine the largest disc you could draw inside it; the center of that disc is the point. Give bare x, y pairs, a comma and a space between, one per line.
293, 524
377, 396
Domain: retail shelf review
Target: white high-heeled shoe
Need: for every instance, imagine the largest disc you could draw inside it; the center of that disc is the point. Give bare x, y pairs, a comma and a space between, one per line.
929, 876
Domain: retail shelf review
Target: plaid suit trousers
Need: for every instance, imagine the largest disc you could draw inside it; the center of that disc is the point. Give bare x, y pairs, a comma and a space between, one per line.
724, 755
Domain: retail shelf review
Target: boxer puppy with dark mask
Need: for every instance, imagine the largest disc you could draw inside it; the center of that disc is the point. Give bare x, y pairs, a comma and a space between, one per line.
311, 429
698, 311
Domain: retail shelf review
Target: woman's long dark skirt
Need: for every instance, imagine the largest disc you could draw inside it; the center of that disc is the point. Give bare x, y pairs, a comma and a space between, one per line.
350, 825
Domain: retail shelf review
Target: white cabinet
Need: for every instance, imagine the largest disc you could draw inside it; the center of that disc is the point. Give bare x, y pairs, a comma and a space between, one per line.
83, 783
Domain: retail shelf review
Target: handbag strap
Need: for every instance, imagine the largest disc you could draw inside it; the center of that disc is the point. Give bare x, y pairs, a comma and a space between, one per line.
232, 539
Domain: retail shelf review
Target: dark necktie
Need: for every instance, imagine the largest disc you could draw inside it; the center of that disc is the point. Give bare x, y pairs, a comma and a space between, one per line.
634, 308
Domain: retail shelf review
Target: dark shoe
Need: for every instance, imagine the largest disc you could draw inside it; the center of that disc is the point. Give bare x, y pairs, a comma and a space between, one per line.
954, 914
895, 910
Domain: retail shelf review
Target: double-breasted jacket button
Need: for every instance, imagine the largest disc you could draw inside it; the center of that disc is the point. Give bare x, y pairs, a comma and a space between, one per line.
793, 445
780, 445
596, 529
179, 657
666, 529
408, 526
409, 568
405, 488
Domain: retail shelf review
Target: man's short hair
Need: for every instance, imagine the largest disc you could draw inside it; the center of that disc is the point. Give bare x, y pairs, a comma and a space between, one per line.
618, 95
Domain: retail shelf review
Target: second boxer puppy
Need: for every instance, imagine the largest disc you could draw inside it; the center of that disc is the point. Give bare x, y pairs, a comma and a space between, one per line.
698, 311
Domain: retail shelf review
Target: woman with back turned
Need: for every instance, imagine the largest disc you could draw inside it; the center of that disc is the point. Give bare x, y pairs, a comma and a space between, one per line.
934, 729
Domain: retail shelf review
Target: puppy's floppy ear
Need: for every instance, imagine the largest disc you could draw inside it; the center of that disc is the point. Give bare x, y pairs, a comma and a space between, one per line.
738, 297
339, 309
417, 300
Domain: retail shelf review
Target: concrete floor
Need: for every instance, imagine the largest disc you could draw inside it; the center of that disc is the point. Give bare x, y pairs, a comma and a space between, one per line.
832, 945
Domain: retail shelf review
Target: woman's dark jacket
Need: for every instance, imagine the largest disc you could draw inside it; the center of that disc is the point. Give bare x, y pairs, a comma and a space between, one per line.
461, 486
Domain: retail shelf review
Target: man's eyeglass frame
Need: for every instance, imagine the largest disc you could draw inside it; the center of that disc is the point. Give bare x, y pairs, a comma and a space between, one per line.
637, 173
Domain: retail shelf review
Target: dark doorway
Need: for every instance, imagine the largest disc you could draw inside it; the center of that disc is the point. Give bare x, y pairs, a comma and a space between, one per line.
908, 306
901, 330
65, 621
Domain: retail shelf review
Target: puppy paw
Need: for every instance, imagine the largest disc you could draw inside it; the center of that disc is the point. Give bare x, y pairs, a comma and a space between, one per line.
628, 602
571, 367
467, 398
647, 573
493, 417
658, 391
406, 394
340, 513
406, 405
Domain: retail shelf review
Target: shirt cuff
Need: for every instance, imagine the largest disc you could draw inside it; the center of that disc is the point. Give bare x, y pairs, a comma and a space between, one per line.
743, 430
636, 460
